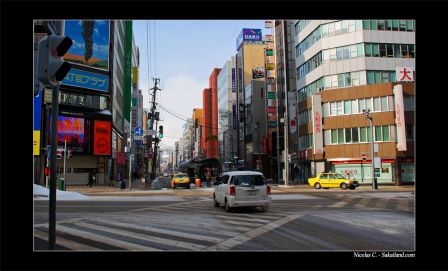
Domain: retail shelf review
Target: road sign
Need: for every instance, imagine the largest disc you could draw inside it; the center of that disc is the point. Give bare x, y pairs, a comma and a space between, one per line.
152, 132
137, 137
138, 131
377, 162
377, 172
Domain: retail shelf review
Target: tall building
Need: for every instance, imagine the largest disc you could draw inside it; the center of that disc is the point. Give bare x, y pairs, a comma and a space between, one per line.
344, 67
249, 66
286, 89
227, 115
198, 120
186, 140
84, 120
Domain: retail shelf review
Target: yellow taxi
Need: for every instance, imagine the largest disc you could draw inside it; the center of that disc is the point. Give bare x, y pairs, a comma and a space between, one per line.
332, 180
180, 180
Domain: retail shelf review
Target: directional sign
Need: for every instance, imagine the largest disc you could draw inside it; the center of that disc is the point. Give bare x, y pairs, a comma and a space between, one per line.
138, 131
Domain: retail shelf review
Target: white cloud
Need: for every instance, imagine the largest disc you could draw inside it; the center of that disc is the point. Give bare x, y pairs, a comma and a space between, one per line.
180, 94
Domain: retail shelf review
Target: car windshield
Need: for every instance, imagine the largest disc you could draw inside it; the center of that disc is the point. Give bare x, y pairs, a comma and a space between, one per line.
339, 176
181, 176
249, 180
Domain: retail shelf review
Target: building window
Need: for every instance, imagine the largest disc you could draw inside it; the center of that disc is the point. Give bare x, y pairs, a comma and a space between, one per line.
376, 104
347, 109
392, 76
327, 137
333, 109
385, 77
354, 106
402, 25
378, 133
360, 49
381, 25
411, 51
340, 136
369, 134
354, 79
363, 131
348, 135
404, 51
389, 50
386, 136
375, 47
334, 136
410, 132
382, 47
410, 25
397, 51
373, 25
362, 105
355, 136
325, 109
369, 103
368, 47
395, 25
384, 103
340, 108
351, 26
377, 77
370, 77
389, 25
366, 24
358, 24
391, 103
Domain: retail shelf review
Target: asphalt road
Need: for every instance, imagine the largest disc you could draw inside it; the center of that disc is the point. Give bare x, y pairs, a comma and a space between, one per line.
296, 222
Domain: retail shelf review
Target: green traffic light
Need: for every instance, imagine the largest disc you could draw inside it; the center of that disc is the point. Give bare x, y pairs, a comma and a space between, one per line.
160, 135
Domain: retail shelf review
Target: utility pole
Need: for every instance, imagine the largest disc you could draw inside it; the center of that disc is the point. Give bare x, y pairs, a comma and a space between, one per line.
369, 115
286, 91
151, 123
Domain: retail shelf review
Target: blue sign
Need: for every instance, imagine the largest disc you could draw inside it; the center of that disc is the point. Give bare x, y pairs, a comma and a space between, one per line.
233, 81
37, 111
248, 35
85, 79
138, 131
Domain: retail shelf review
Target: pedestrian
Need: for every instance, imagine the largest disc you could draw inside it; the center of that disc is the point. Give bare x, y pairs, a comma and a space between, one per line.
92, 178
208, 178
348, 175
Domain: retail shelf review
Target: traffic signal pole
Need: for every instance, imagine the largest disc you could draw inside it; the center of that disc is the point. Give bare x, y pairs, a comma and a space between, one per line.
53, 169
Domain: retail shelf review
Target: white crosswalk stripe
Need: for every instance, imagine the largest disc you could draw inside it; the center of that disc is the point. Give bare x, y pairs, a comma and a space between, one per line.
148, 238
65, 242
164, 231
103, 239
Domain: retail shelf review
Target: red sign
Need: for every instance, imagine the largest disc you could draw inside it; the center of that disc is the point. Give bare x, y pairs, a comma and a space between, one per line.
317, 123
121, 158
102, 135
271, 109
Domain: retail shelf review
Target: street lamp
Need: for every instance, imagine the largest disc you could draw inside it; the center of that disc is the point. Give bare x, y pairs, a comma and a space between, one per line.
369, 115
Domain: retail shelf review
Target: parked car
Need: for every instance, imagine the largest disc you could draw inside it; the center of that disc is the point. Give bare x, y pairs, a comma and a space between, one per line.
180, 180
332, 180
242, 189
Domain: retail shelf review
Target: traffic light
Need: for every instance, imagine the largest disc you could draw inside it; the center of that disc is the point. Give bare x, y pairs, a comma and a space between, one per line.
51, 69
160, 131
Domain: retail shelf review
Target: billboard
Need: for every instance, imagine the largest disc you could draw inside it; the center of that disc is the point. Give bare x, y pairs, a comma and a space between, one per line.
85, 79
248, 35
399, 118
257, 72
102, 134
316, 103
71, 130
233, 81
90, 43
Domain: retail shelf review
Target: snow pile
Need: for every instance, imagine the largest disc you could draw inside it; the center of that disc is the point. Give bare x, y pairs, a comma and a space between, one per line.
39, 191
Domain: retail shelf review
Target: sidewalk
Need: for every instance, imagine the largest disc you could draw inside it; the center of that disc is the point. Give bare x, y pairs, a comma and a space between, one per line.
139, 189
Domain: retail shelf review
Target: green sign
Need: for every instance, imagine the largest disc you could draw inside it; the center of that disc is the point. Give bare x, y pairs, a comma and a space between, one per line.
271, 95
128, 72
269, 52
272, 124
134, 101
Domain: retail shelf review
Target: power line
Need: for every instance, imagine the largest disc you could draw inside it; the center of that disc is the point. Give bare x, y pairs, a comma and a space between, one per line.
148, 56
155, 54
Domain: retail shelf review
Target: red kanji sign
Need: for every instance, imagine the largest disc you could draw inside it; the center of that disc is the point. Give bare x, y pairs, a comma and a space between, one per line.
405, 74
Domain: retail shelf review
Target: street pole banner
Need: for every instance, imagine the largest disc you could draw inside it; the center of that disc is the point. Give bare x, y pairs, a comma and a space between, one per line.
399, 118
316, 102
37, 120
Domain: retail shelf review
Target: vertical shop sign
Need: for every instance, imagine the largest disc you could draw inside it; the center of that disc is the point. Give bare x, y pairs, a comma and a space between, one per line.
317, 124
102, 134
37, 120
399, 118
128, 72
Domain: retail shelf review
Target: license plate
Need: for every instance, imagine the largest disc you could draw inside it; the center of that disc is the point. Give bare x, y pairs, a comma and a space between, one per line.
251, 193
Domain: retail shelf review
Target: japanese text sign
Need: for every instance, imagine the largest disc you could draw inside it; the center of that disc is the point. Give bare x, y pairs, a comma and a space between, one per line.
102, 135
404, 74
84, 79
399, 118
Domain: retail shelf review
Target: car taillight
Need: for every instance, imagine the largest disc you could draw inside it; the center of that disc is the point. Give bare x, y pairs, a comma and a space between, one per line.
232, 190
268, 188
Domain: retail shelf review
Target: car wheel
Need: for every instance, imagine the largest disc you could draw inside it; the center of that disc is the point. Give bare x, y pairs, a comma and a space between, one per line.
228, 208
215, 203
317, 185
265, 208
343, 186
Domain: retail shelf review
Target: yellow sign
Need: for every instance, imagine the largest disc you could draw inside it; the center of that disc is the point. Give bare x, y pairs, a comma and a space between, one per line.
134, 75
270, 66
36, 143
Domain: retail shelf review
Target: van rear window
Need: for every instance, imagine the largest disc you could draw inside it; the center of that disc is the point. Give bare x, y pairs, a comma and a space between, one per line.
249, 180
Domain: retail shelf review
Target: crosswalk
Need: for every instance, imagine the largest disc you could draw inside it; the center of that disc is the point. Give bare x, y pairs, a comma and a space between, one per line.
194, 225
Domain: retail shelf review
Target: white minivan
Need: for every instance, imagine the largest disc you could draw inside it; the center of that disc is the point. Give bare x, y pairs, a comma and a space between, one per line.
242, 189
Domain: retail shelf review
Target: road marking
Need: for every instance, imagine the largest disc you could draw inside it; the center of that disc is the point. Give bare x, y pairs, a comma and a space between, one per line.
245, 219
103, 239
363, 203
65, 242
228, 244
242, 223
144, 237
164, 231
339, 204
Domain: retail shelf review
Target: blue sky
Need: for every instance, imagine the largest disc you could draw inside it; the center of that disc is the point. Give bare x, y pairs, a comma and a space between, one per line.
186, 52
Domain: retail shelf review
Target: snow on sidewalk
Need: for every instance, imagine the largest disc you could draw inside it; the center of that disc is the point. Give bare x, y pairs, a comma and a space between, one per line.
39, 191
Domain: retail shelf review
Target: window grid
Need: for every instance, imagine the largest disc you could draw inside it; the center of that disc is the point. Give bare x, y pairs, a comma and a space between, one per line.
358, 135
